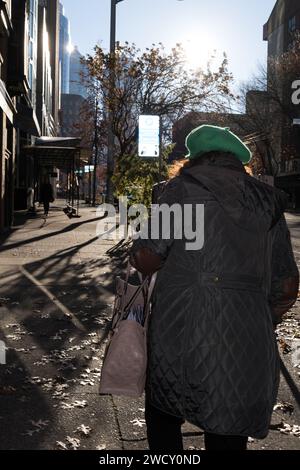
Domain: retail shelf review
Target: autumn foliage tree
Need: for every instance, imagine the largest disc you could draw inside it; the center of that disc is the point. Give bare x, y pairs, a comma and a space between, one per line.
267, 98
154, 81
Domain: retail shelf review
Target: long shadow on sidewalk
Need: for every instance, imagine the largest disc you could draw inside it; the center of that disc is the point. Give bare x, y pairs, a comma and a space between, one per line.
290, 382
69, 228
25, 414
59, 304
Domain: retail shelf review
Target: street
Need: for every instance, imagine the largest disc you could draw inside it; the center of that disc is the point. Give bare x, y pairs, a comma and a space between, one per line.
56, 294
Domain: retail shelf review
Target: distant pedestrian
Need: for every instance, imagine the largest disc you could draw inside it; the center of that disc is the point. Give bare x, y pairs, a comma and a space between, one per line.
46, 196
213, 358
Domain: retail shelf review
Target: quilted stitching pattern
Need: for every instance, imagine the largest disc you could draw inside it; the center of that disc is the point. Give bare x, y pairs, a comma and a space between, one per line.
213, 357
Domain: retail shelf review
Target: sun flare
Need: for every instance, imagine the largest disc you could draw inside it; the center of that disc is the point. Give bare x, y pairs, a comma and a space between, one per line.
199, 50
70, 48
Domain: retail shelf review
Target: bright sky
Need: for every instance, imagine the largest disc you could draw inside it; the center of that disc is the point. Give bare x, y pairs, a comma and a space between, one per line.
233, 26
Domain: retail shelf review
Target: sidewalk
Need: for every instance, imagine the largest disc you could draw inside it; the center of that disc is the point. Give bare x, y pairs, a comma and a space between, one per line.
56, 293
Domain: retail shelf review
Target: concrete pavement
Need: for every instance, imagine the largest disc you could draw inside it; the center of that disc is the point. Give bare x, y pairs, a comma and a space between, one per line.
56, 293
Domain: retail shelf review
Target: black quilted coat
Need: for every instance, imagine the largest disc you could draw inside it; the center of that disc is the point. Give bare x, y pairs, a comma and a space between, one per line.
213, 358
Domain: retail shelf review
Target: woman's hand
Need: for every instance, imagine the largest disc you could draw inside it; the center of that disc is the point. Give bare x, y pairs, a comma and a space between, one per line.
146, 261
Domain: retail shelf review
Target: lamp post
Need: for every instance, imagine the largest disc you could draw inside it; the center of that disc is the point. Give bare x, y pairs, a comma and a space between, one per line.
96, 153
111, 137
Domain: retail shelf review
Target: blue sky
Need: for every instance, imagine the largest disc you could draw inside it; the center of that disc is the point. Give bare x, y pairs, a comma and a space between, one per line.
233, 26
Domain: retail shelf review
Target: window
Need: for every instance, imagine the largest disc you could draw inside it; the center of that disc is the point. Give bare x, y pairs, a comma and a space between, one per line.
292, 24
8, 4
32, 47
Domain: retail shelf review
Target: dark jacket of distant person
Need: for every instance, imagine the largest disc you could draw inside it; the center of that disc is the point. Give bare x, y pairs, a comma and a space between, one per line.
46, 193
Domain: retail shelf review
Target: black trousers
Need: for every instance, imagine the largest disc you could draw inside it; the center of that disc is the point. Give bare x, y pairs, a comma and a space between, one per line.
46, 207
164, 434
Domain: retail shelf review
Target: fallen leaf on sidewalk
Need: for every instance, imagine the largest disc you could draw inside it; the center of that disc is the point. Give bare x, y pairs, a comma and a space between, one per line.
45, 315
285, 407
40, 423
73, 442
293, 430
138, 422
58, 335
75, 404
101, 447
30, 432
14, 337
284, 346
89, 382
85, 430
62, 445
25, 351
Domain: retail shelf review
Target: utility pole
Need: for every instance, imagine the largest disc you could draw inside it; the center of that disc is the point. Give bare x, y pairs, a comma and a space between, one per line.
96, 151
111, 137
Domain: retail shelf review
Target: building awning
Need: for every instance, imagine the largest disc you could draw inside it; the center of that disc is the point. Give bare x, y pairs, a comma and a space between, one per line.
63, 158
58, 141
63, 153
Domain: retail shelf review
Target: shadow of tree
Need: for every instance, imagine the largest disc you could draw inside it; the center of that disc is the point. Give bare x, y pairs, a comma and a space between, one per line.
60, 303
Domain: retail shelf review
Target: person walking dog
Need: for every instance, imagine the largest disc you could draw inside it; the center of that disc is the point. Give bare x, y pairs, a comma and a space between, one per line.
213, 358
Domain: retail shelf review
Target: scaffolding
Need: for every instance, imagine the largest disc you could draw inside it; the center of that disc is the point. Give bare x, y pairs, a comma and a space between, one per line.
63, 153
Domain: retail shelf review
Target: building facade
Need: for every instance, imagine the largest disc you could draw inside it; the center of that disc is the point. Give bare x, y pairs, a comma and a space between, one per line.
71, 107
64, 50
29, 95
23, 87
78, 71
53, 28
236, 122
45, 81
7, 116
279, 32
72, 102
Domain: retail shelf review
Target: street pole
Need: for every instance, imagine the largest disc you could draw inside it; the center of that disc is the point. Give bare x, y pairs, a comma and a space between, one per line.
111, 138
160, 151
90, 183
96, 150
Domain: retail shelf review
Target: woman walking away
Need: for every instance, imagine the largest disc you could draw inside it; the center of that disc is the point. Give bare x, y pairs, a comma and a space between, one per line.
213, 357
46, 196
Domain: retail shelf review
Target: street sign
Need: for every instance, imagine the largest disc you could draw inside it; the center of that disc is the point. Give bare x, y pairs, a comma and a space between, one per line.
149, 136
